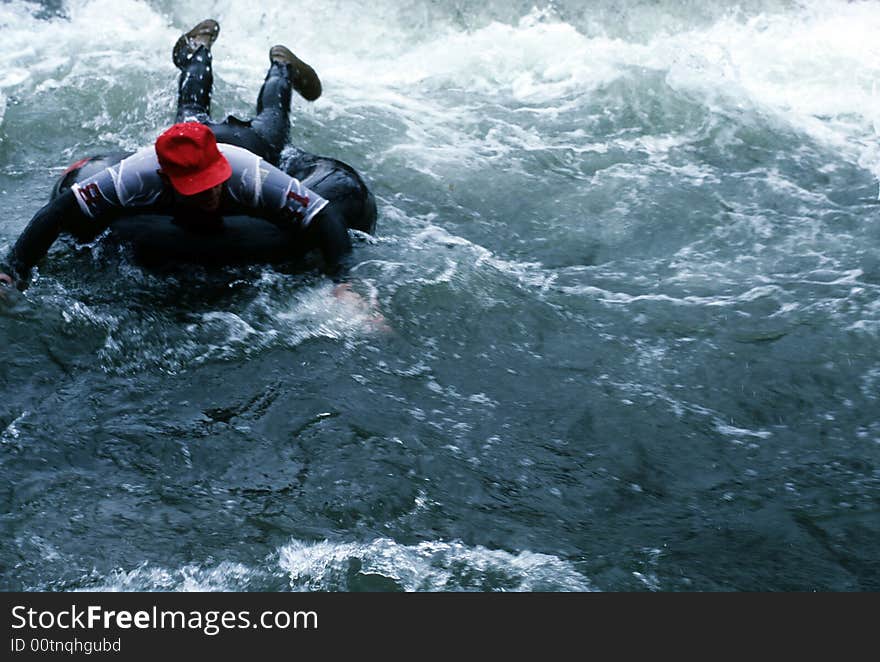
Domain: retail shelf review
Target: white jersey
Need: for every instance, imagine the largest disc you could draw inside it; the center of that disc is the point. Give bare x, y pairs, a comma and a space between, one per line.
256, 188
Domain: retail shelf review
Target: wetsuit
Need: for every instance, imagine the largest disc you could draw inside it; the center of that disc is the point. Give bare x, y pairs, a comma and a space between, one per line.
266, 134
134, 186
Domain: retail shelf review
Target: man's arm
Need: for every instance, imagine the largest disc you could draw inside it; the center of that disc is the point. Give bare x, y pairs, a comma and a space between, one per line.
87, 208
328, 232
61, 214
263, 190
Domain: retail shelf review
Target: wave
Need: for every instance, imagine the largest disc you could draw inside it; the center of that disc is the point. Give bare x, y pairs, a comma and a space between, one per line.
378, 565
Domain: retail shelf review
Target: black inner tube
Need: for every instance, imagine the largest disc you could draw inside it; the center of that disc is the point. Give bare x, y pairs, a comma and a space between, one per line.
157, 240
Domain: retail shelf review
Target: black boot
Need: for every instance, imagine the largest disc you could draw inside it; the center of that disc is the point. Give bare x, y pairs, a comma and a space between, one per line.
302, 76
203, 34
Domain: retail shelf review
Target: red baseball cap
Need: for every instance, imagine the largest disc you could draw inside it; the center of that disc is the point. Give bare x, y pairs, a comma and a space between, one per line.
189, 157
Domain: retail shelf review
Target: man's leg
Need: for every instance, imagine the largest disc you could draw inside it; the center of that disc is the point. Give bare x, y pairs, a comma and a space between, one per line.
192, 55
286, 73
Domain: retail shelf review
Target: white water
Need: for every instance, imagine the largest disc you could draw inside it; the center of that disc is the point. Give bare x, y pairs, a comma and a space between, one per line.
813, 66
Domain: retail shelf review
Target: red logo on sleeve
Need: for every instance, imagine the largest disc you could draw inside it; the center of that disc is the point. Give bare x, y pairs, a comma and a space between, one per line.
298, 214
301, 199
90, 194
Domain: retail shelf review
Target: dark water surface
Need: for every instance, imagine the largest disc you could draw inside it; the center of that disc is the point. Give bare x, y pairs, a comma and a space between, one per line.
630, 257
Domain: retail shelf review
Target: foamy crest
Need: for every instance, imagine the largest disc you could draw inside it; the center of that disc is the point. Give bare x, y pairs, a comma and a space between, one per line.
380, 564
224, 576
428, 566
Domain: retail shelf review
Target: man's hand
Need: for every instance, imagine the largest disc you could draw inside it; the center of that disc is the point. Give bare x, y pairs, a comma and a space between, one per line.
5, 281
375, 320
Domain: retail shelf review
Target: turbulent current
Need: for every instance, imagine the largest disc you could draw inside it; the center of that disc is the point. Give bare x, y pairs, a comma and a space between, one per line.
628, 255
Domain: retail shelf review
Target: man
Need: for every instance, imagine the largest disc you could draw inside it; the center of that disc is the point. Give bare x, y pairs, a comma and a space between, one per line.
188, 175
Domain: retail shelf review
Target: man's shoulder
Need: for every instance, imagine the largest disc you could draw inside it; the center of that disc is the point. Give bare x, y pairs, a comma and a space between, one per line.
235, 154
143, 158
137, 180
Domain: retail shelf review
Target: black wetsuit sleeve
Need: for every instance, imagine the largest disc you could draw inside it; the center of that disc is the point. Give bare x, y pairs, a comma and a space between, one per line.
63, 214
328, 233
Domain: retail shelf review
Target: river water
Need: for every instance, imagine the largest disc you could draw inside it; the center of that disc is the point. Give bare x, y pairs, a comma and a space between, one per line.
628, 254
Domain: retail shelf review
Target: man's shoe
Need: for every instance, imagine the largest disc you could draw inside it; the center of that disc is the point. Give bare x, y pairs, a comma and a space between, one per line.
203, 34
303, 77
